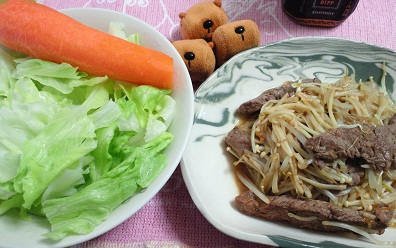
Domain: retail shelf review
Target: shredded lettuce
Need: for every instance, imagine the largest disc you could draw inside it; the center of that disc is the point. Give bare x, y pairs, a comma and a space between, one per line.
117, 29
73, 147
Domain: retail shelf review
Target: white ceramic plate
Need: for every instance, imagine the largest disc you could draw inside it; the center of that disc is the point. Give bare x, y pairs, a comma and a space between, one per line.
206, 166
15, 232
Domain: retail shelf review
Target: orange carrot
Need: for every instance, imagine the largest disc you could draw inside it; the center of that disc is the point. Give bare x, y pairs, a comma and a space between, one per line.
44, 33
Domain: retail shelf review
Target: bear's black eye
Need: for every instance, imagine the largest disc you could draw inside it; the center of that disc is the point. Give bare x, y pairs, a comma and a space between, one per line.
208, 24
239, 30
189, 56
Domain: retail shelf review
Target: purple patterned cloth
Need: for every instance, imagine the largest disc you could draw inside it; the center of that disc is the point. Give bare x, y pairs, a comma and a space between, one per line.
171, 219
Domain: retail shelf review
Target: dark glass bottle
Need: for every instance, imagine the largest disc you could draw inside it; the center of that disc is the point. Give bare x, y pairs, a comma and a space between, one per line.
323, 13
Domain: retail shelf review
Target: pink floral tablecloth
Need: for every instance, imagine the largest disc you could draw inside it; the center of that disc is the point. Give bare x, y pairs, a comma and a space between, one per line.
171, 219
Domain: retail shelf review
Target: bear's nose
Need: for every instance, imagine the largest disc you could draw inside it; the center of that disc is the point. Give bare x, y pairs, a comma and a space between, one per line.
189, 56
240, 30
207, 25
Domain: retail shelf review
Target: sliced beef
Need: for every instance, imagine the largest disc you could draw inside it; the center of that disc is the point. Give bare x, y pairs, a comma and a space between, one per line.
254, 105
374, 145
238, 140
280, 206
356, 172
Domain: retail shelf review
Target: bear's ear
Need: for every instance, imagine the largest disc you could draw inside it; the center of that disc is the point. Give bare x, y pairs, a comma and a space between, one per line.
217, 3
182, 15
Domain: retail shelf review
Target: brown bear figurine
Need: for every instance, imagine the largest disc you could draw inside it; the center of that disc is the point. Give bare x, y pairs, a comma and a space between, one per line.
201, 20
198, 56
233, 38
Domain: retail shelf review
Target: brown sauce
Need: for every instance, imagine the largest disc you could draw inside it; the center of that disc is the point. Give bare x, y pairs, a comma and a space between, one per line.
240, 186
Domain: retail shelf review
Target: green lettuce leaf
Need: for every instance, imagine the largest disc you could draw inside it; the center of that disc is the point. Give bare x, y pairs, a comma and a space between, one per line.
63, 77
117, 29
6, 67
82, 211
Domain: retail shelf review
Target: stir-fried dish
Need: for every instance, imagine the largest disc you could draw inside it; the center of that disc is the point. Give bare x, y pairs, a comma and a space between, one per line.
319, 155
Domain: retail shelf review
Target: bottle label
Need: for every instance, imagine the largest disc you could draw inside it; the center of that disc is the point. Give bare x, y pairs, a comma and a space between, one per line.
328, 13
335, 4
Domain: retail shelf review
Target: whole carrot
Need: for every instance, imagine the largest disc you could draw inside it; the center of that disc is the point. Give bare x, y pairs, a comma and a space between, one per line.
44, 33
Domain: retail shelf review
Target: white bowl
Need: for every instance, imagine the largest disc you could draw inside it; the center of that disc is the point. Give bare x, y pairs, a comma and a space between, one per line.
15, 232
